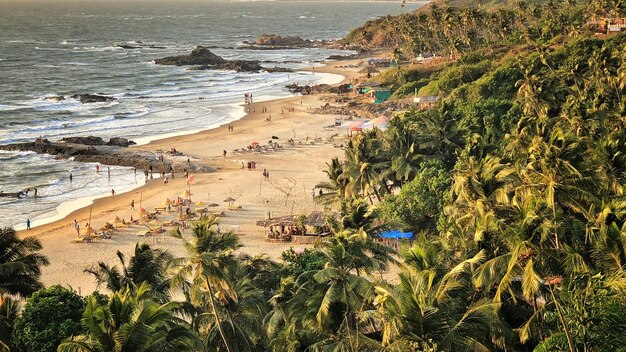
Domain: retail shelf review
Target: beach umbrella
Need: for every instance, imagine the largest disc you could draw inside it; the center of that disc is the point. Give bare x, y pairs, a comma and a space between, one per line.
369, 70
230, 201
166, 202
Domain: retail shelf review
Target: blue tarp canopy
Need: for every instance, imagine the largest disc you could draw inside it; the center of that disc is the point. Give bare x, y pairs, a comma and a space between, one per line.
396, 234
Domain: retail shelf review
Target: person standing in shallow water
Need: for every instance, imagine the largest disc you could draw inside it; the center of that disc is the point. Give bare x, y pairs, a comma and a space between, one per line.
28, 224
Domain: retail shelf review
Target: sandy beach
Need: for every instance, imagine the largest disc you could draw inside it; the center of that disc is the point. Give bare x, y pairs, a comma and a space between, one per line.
315, 143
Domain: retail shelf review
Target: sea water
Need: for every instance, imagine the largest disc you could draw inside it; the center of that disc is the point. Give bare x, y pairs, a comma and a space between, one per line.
60, 48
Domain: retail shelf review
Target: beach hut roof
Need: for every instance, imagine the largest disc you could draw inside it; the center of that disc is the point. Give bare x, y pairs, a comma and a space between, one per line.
318, 218
370, 70
288, 220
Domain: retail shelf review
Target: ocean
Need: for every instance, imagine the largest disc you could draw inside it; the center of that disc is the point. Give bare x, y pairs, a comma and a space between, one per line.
60, 48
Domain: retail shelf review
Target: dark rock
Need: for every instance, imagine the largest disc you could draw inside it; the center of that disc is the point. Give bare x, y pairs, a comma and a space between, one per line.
92, 98
120, 142
199, 56
55, 98
18, 195
319, 89
127, 46
204, 59
89, 140
273, 40
277, 69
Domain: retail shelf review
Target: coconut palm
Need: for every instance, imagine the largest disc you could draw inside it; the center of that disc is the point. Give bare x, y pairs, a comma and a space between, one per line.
146, 265
131, 321
20, 263
210, 257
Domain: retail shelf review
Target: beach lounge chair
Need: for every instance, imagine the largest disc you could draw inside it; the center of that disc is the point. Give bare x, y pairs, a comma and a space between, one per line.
85, 239
144, 233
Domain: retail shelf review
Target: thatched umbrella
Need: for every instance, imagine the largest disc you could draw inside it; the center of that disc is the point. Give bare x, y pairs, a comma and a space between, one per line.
369, 70
230, 201
213, 205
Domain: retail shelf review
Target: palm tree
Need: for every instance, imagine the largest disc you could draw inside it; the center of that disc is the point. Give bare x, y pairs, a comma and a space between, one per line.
146, 265
210, 257
335, 188
9, 312
20, 264
434, 311
131, 321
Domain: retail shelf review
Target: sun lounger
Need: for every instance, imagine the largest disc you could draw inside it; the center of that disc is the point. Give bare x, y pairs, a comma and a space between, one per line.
144, 233
85, 239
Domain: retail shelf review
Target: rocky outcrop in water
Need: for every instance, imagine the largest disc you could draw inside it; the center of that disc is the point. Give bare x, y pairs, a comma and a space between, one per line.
204, 59
93, 98
103, 154
120, 142
54, 98
89, 140
318, 89
139, 46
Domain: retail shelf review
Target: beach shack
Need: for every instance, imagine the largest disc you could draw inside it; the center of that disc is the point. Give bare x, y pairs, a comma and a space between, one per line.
381, 95
425, 102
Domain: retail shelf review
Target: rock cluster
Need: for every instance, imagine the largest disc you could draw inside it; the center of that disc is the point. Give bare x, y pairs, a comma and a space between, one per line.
204, 59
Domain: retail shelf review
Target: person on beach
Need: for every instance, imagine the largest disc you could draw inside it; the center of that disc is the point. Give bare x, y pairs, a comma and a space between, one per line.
28, 224
224, 153
77, 227
71, 177
112, 193
269, 118
165, 181
132, 204
35, 190
109, 172
97, 168
267, 175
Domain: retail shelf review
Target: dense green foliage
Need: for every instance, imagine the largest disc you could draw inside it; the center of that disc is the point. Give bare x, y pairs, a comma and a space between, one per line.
50, 316
420, 201
514, 186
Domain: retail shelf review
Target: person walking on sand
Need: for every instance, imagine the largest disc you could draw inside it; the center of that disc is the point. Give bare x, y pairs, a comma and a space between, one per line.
132, 204
224, 153
165, 181
76, 227
28, 224
112, 193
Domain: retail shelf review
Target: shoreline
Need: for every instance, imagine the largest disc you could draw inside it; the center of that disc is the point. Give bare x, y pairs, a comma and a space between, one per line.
64, 210
316, 142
